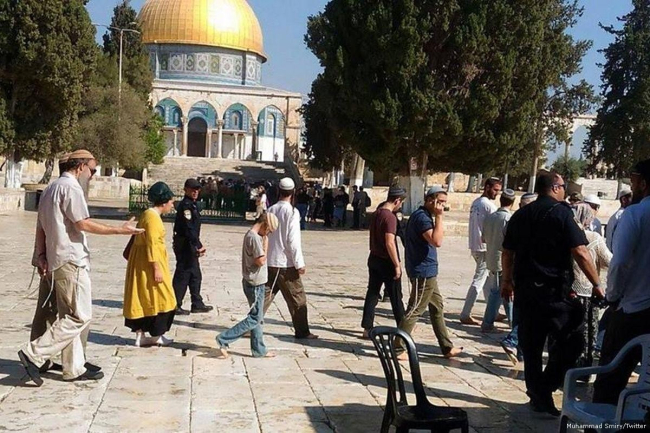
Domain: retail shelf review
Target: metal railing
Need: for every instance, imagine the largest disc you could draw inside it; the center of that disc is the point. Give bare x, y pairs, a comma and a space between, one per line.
213, 207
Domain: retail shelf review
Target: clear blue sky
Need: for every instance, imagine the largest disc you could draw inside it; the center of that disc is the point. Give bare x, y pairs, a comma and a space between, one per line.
293, 67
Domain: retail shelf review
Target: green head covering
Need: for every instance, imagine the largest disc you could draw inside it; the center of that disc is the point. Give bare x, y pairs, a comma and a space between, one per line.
160, 193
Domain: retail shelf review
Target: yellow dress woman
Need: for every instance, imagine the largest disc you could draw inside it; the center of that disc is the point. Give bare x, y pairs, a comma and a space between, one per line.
149, 300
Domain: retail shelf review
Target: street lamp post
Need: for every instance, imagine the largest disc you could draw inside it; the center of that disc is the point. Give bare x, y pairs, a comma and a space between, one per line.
121, 30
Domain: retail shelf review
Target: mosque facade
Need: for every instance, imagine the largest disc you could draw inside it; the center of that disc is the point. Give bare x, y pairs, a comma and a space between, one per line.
207, 57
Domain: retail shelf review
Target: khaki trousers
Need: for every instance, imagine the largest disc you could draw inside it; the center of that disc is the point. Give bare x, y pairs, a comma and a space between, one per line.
47, 312
425, 294
74, 304
288, 281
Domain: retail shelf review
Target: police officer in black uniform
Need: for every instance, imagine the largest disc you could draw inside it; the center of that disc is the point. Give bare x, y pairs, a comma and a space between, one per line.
188, 249
541, 242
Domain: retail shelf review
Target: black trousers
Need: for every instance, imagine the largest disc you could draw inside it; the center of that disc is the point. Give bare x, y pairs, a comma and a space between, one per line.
381, 272
559, 320
356, 218
188, 274
621, 329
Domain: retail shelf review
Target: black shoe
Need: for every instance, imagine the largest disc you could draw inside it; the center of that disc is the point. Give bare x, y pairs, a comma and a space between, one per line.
548, 408
181, 312
202, 309
92, 367
88, 375
53, 366
31, 368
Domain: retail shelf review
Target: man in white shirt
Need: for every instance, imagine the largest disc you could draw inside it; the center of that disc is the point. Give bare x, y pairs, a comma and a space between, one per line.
481, 208
286, 262
62, 255
625, 197
627, 287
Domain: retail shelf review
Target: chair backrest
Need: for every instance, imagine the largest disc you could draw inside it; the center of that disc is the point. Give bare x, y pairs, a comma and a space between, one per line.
384, 339
638, 406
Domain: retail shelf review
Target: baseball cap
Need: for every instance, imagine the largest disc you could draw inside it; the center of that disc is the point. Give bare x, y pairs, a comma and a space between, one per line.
287, 184
592, 199
192, 184
624, 191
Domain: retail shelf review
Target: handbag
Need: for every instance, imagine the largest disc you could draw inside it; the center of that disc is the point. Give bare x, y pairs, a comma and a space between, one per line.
127, 249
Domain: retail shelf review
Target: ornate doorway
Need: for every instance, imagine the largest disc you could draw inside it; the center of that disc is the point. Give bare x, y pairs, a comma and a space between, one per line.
197, 137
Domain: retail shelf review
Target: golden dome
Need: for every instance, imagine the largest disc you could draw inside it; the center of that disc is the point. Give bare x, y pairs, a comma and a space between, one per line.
218, 23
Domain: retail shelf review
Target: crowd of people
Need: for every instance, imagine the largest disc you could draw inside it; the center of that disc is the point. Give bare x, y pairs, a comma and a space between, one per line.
272, 262
542, 264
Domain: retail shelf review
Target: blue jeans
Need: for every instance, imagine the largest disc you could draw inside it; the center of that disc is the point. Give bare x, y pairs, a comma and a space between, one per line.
252, 322
302, 209
494, 301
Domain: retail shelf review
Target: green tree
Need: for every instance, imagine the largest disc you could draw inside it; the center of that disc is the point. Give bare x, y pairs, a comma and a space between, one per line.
621, 135
136, 67
46, 60
570, 168
115, 133
461, 85
154, 140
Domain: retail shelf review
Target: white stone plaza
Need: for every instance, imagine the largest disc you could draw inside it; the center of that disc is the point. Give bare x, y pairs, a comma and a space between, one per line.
333, 384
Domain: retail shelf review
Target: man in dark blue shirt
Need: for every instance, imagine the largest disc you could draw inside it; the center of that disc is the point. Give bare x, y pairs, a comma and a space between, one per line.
541, 242
424, 234
188, 249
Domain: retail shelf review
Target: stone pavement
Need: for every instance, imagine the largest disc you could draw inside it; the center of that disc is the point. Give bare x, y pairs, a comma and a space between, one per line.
331, 384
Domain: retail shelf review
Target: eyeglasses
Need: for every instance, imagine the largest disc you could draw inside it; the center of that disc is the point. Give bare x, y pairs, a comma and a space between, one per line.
93, 171
560, 185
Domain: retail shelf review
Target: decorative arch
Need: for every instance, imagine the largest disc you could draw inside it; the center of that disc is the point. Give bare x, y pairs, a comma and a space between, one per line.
237, 118
205, 111
271, 122
170, 111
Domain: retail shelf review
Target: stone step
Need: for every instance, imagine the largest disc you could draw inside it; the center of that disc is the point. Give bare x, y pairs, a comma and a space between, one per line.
175, 170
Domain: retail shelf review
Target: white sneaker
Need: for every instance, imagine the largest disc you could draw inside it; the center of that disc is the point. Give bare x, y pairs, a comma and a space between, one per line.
162, 341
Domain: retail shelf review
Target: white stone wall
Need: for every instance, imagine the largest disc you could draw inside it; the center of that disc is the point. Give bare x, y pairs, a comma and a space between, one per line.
12, 200
110, 188
269, 146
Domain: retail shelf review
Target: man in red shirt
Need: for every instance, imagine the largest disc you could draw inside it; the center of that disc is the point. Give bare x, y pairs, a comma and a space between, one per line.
384, 266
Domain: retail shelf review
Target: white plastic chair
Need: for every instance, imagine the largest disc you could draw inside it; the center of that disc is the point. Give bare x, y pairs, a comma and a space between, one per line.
633, 402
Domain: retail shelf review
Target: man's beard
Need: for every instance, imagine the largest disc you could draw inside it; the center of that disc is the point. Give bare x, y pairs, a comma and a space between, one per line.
637, 196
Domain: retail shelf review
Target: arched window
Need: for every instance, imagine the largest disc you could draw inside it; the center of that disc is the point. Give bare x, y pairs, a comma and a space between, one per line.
236, 120
176, 116
160, 111
271, 125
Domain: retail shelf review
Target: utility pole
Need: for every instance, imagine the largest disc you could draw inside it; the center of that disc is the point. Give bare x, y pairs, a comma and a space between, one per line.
122, 31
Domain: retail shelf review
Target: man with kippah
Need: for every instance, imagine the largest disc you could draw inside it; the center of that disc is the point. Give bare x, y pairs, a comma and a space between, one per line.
628, 284
286, 262
494, 229
61, 250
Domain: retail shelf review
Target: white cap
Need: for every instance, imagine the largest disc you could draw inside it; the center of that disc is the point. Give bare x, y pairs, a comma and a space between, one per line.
592, 199
624, 191
287, 184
